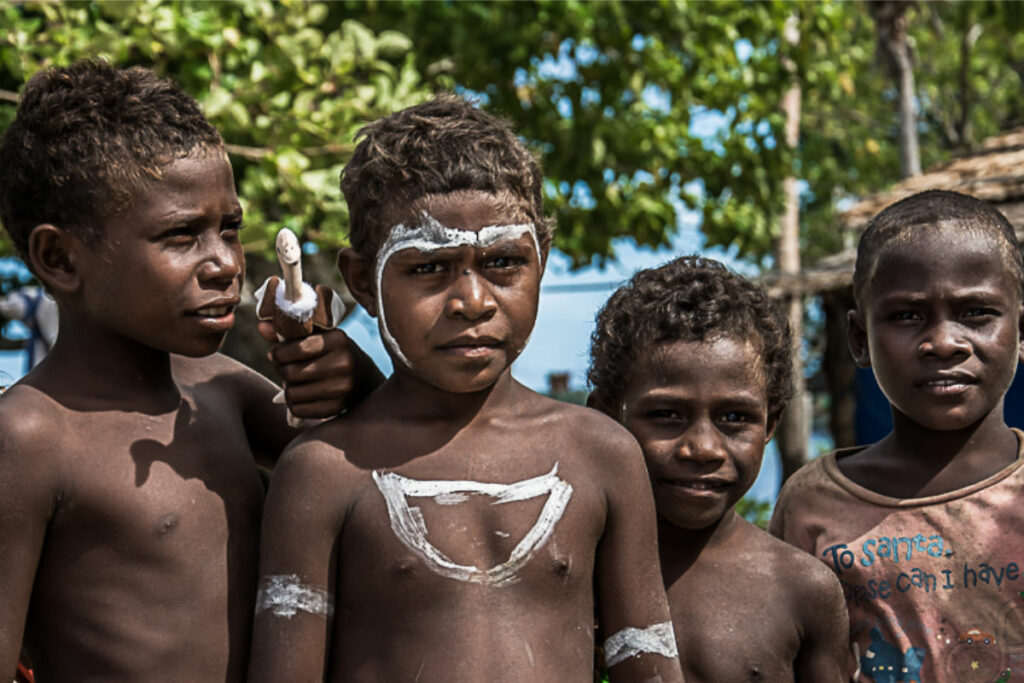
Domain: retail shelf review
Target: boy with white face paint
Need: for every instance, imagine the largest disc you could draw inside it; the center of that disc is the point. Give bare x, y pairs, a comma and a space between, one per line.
456, 526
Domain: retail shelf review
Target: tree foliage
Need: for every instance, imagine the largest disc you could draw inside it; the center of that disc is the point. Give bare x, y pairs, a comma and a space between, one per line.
634, 108
286, 85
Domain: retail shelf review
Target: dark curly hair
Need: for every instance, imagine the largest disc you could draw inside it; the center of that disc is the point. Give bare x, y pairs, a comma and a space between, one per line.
441, 146
898, 223
688, 299
85, 138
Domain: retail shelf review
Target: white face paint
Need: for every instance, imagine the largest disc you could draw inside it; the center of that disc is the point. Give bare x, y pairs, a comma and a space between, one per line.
430, 236
284, 595
658, 639
409, 526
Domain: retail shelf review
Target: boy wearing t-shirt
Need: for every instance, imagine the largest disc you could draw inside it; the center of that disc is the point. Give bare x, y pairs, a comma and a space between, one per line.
925, 528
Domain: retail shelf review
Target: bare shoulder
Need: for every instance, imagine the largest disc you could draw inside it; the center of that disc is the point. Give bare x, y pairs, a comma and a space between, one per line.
31, 421
33, 431
797, 571
587, 427
592, 444
317, 461
218, 371
799, 579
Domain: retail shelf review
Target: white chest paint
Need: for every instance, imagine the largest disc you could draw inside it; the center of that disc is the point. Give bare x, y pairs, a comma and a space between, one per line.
409, 526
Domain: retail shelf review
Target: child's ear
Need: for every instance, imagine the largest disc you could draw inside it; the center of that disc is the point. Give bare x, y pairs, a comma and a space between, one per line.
773, 422
51, 255
1020, 336
358, 276
544, 253
857, 338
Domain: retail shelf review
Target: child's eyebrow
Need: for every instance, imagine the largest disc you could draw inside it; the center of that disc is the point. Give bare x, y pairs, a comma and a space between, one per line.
914, 298
188, 215
507, 247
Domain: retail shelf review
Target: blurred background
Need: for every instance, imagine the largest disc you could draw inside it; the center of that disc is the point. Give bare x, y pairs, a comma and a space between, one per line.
764, 134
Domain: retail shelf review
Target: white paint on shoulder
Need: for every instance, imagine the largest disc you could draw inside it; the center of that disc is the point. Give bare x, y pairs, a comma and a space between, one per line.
432, 235
409, 526
657, 639
284, 595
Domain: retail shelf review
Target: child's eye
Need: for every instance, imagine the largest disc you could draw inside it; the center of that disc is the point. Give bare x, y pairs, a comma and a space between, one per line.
430, 268
980, 312
662, 414
505, 262
182, 236
903, 315
231, 230
735, 416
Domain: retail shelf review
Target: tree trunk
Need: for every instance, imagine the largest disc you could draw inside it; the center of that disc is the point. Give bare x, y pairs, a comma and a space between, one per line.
891, 21
839, 368
793, 432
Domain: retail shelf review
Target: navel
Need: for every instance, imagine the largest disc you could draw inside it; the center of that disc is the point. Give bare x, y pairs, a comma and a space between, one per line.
166, 523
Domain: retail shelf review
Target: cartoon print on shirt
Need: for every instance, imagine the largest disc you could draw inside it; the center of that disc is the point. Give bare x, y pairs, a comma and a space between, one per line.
975, 657
884, 662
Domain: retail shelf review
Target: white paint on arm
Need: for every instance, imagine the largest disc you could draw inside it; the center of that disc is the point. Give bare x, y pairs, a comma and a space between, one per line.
658, 639
284, 595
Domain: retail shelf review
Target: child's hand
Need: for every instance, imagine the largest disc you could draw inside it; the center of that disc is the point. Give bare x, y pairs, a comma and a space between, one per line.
323, 374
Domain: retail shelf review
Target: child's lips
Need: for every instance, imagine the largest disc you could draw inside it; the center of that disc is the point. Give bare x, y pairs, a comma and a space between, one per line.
471, 347
701, 486
219, 315
950, 384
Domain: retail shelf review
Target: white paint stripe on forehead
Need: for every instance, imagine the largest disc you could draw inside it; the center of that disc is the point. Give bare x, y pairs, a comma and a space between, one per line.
284, 595
432, 235
658, 639
410, 527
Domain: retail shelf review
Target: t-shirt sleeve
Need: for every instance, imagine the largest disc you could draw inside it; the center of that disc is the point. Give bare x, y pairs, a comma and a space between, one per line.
792, 509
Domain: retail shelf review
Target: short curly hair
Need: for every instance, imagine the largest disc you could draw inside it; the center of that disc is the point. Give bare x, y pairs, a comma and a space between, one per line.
441, 146
85, 139
898, 223
690, 299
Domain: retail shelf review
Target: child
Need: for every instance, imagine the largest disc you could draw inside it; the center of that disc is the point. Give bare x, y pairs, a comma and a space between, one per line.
694, 361
456, 525
129, 497
924, 528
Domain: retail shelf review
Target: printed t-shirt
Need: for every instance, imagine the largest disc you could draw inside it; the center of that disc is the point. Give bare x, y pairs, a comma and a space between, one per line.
934, 586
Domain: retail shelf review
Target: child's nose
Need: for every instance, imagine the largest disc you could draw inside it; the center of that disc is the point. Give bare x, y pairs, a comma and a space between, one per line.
944, 339
701, 442
222, 263
470, 297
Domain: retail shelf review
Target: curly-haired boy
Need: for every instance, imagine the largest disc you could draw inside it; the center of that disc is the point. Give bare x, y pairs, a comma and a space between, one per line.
129, 496
694, 360
456, 526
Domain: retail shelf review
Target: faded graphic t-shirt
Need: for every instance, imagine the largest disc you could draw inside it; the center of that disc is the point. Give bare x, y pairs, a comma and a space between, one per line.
934, 586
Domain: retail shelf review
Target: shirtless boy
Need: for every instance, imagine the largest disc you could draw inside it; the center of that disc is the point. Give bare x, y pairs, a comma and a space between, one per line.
129, 497
694, 360
456, 525
925, 528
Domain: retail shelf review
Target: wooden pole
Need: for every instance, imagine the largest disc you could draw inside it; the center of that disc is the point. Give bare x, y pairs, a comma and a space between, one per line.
794, 428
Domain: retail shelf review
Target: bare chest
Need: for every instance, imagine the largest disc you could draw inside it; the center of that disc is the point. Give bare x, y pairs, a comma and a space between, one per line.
733, 626
133, 482
450, 532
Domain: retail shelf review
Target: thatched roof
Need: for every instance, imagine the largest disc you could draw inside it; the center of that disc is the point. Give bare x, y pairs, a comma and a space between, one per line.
993, 173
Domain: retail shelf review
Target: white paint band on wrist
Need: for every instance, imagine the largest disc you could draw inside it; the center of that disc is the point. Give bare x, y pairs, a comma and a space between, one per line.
658, 639
284, 595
